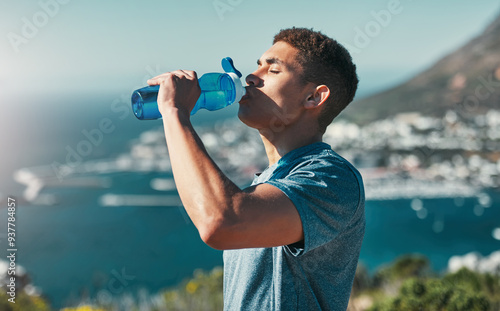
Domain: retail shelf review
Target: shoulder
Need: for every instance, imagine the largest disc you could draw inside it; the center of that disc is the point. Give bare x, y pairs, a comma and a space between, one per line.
319, 173
319, 162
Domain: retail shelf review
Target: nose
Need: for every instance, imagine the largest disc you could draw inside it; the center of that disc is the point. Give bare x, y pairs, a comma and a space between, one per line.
253, 80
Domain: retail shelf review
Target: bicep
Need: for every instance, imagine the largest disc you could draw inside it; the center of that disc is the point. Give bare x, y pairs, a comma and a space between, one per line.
264, 217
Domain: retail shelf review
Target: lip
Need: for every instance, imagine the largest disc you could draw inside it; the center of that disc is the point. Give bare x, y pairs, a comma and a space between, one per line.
246, 96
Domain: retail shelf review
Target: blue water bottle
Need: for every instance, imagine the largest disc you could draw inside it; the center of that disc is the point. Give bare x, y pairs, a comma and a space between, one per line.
218, 90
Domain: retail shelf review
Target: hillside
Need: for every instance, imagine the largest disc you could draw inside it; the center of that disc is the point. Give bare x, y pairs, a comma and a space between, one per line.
466, 81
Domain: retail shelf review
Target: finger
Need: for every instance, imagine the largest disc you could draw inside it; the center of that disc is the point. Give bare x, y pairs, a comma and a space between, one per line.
153, 81
158, 79
190, 74
181, 74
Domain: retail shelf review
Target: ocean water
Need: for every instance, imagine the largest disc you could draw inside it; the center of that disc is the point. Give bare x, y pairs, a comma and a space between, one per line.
437, 228
78, 248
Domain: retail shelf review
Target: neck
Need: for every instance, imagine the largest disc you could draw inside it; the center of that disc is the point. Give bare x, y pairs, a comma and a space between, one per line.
279, 143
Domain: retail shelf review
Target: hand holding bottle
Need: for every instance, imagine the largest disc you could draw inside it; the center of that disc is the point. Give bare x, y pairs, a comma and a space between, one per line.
178, 89
218, 90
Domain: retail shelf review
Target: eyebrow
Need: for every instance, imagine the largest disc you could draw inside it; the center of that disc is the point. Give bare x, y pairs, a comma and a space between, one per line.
272, 60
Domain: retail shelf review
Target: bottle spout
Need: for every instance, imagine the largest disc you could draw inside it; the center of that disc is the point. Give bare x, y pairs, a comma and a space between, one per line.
235, 74
239, 89
228, 66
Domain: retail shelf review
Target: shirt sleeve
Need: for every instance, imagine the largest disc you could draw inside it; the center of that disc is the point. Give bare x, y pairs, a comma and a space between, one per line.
326, 194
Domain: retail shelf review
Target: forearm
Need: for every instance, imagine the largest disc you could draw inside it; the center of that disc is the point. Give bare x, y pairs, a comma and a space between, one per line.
208, 196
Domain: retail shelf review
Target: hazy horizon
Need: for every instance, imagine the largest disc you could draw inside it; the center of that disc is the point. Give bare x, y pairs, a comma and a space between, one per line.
65, 46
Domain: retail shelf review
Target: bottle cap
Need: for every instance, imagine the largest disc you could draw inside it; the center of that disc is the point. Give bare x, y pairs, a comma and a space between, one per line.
228, 66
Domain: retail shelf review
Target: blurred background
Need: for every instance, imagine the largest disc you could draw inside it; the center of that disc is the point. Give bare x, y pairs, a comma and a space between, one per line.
98, 219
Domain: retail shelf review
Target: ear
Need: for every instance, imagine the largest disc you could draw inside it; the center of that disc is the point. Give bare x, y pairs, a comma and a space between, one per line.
317, 97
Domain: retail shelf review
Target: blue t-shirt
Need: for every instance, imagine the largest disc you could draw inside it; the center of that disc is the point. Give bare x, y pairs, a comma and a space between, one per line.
316, 273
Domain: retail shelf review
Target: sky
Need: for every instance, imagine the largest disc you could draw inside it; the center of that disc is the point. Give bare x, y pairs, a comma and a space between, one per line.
75, 47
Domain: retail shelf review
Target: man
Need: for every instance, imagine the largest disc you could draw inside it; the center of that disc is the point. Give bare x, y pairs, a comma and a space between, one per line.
291, 241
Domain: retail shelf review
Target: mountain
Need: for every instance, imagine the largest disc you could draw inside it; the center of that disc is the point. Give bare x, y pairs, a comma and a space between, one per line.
466, 81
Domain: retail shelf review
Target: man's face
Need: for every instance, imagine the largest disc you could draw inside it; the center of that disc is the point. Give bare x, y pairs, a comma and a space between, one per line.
275, 92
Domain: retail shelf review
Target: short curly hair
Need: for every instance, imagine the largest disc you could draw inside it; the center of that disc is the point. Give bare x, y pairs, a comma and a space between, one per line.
325, 62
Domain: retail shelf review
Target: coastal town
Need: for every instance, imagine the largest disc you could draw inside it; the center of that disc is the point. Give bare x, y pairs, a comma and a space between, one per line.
404, 156
407, 155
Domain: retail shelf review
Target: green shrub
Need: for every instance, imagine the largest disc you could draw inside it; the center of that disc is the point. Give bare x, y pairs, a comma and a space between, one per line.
202, 292
461, 291
23, 302
405, 267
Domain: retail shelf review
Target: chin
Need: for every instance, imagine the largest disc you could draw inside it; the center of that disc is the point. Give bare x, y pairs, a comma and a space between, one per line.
244, 114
